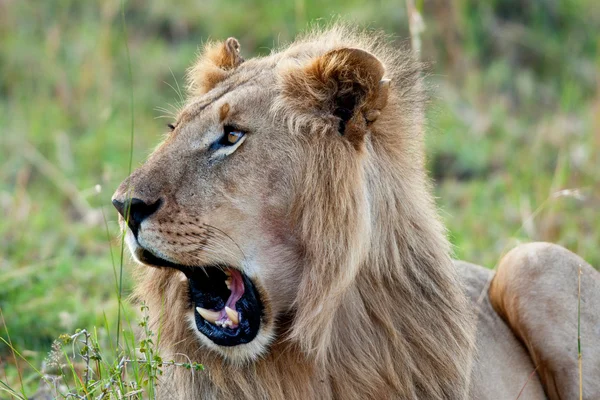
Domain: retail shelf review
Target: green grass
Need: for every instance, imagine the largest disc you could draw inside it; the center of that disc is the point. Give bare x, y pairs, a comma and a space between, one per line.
513, 120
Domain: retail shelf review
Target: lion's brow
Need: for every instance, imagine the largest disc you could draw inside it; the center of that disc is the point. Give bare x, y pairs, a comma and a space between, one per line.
201, 105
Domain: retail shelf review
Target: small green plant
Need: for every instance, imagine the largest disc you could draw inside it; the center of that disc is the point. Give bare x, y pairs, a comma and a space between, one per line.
83, 365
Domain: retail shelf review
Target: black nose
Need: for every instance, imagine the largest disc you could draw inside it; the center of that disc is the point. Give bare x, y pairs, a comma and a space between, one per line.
135, 211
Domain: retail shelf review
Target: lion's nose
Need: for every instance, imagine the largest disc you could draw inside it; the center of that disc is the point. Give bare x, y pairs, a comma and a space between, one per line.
135, 211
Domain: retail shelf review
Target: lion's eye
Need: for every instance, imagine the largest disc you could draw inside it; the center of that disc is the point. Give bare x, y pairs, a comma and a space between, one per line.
234, 137
231, 136
231, 139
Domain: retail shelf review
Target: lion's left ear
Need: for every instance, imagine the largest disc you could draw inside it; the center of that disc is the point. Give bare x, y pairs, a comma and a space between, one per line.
213, 65
346, 83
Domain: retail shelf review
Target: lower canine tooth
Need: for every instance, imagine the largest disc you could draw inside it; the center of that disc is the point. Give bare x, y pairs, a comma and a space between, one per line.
233, 315
210, 316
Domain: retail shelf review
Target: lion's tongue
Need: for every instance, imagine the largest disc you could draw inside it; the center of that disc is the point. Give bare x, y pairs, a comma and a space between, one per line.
228, 316
237, 288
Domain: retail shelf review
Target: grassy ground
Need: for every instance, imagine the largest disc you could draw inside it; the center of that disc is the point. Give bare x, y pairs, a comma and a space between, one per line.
513, 133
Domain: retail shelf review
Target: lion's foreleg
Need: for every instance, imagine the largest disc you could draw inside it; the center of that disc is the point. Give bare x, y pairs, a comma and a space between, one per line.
536, 290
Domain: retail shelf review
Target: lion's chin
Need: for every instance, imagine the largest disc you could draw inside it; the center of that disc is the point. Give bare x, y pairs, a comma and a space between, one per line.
240, 354
226, 310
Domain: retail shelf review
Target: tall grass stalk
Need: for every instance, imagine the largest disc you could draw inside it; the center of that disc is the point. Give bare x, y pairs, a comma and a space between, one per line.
131, 138
13, 351
579, 357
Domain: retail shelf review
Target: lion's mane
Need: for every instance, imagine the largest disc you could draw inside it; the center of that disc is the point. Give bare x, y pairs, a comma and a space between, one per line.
380, 312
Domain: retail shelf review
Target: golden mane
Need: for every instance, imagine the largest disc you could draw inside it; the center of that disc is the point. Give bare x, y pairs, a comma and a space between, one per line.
379, 311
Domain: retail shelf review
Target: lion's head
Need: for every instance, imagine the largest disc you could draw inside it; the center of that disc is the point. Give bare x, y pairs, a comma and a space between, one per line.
289, 204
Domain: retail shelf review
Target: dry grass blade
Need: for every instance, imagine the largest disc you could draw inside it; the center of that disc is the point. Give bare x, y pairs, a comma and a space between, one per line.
13, 352
579, 358
526, 382
416, 26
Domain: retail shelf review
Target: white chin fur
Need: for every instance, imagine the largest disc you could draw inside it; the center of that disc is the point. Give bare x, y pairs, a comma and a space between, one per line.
132, 245
242, 353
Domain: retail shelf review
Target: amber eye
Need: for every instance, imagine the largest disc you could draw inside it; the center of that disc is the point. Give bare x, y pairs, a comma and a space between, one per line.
234, 137
231, 136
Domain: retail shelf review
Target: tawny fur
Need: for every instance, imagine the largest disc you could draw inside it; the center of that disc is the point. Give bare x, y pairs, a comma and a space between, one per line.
326, 206
378, 310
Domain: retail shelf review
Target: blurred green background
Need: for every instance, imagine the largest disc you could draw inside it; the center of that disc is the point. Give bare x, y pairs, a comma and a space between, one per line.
513, 129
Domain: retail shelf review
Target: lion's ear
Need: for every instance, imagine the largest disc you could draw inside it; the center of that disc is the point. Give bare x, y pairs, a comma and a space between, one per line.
347, 83
213, 65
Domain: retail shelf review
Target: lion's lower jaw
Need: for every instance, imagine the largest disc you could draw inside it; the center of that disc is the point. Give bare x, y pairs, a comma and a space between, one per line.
241, 354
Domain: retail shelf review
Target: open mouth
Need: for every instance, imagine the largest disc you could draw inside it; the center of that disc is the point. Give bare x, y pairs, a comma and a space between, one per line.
226, 304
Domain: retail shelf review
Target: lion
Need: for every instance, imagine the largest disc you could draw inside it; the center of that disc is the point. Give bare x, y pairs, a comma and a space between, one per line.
287, 239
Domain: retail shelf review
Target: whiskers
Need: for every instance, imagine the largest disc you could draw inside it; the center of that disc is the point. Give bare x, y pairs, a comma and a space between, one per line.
223, 234
170, 113
173, 111
210, 242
